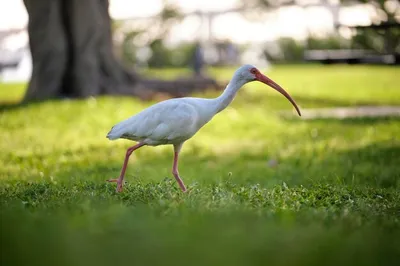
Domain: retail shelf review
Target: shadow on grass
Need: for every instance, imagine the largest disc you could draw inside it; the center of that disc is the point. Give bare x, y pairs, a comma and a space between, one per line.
11, 106
376, 165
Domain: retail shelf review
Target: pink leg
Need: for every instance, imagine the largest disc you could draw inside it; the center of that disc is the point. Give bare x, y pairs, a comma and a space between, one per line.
120, 180
177, 149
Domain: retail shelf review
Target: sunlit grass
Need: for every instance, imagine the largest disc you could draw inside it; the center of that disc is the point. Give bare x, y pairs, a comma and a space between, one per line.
11, 92
333, 197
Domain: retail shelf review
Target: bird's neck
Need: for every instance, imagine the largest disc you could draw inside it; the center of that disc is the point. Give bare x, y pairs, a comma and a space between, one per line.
229, 94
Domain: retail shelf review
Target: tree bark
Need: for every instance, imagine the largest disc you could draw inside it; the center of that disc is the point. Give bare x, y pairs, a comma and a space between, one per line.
72, 52
48, 47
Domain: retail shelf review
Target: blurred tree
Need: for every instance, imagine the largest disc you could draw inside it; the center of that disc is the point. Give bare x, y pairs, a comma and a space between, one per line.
292, 50
72, 51
384, 39
128, 49
161, 24
385, 9
269, 3
160, 56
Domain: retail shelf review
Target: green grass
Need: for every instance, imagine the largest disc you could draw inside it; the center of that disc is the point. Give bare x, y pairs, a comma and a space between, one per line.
10, 93
333, 198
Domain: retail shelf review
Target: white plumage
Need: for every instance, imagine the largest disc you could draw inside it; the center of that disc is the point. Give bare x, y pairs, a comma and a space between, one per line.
169, 122
176, 120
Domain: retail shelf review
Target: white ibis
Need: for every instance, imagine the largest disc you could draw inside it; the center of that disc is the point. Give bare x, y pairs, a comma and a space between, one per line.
176, 120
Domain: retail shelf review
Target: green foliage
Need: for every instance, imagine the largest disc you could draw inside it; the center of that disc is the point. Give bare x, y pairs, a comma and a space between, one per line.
160, 55
180, 56
291, 50
332, 199
330, 43
141, 37
128, 48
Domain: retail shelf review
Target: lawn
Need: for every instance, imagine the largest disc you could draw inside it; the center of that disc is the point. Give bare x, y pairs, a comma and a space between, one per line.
332, 197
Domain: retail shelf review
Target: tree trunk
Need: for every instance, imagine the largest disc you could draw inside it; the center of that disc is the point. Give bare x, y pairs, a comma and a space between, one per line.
72, 53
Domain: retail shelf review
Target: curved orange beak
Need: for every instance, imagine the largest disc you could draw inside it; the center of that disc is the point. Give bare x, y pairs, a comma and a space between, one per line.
262, 78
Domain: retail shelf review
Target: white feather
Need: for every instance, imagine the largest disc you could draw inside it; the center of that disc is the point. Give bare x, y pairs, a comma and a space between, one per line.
169, 122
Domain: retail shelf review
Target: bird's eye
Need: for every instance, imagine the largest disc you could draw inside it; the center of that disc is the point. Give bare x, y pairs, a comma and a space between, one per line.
253, 71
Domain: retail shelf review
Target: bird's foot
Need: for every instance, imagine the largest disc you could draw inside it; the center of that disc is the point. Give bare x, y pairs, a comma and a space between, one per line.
187, 190
119, 183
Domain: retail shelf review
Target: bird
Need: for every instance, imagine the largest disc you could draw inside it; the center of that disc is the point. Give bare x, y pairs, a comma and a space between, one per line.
174, 121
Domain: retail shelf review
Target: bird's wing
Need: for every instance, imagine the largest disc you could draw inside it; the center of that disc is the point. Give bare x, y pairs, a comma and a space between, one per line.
164, 121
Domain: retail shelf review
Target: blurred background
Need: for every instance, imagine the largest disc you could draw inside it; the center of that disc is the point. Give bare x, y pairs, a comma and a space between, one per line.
161, 33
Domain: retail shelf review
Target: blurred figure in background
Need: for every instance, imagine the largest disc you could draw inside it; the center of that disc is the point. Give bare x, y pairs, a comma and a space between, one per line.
198, 60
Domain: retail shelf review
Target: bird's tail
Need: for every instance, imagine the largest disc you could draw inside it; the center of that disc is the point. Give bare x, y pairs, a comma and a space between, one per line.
114, 133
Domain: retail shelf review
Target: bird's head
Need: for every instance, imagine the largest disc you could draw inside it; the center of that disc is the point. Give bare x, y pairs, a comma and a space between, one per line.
248, 73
